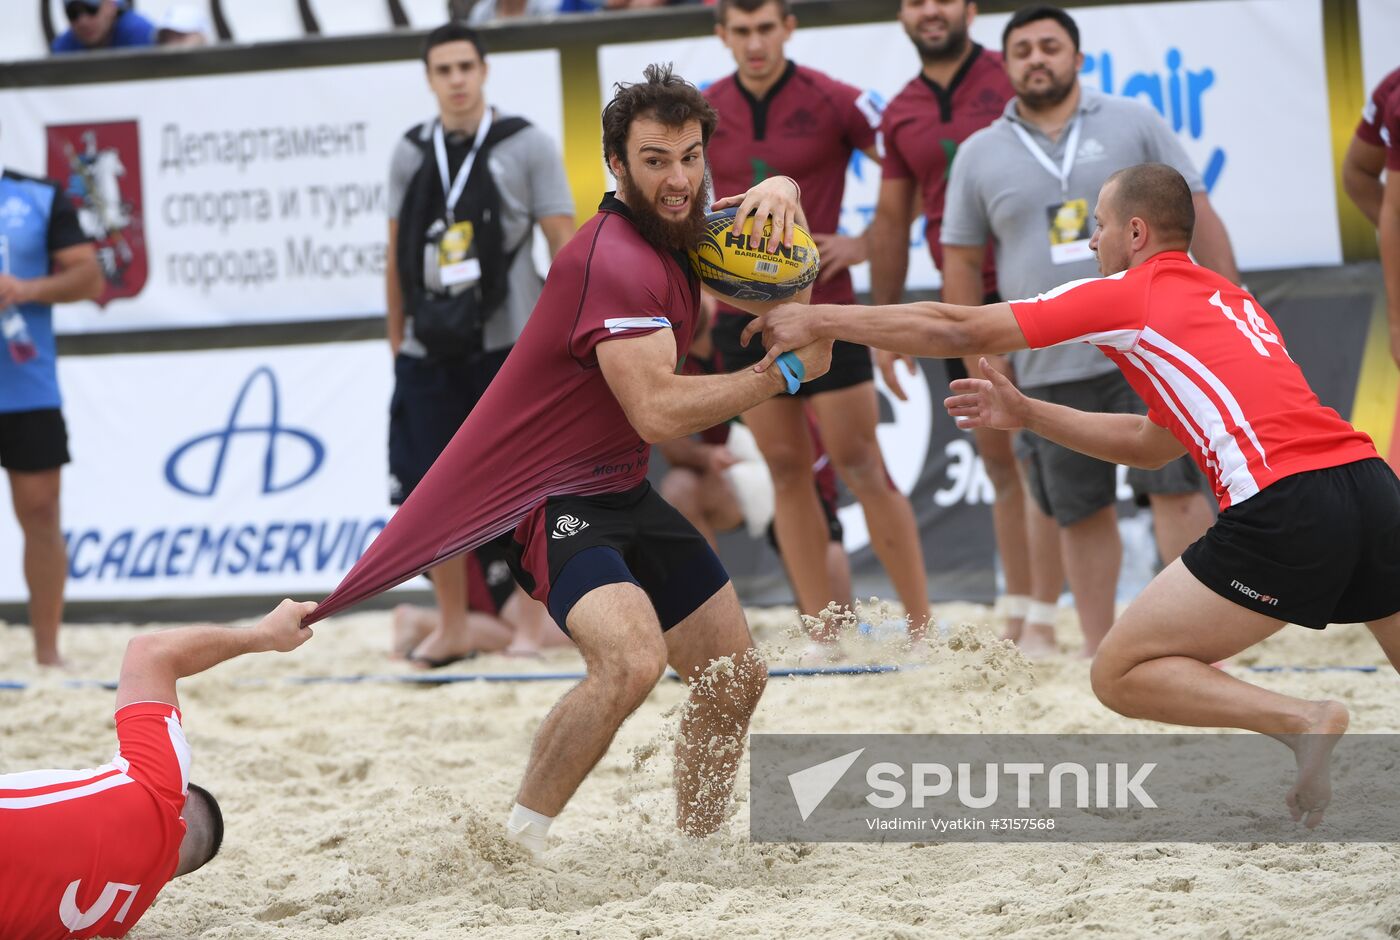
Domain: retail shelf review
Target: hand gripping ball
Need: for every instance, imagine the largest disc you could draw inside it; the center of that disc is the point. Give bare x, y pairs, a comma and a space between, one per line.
724, 261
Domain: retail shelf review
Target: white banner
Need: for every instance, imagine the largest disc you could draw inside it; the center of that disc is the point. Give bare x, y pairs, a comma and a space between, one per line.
1238, 107
220, 473
1380, 50
246, 198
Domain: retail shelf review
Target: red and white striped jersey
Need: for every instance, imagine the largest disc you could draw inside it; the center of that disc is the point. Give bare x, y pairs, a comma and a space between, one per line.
1210, 364
83, 853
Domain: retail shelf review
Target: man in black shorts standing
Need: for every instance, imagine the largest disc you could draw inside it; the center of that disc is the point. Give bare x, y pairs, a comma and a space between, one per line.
502, 176
780, 117
559, 448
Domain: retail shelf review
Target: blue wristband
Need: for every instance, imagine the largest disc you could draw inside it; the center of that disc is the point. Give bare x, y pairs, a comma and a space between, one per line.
793, 371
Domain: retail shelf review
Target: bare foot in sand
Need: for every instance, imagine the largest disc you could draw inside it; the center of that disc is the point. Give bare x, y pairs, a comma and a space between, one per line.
1327, 722
1038, 641
411, 625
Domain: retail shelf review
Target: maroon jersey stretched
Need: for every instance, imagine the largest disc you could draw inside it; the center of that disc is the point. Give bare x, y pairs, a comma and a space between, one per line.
926, 123
806, 127
549, 425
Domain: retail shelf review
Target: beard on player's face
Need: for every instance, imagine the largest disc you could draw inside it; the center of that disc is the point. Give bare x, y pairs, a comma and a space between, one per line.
1040, 88
655, 224
950, 47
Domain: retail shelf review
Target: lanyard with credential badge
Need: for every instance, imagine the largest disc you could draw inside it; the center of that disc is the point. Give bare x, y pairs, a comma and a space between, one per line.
453, 191
1068, 218
1063, 171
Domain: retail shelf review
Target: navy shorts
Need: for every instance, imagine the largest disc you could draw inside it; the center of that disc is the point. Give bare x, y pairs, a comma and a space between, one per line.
850, 364
573, 544
1314, 548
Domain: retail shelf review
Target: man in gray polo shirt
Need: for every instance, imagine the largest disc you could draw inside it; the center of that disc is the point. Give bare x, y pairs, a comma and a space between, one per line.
449, 254
1030, 181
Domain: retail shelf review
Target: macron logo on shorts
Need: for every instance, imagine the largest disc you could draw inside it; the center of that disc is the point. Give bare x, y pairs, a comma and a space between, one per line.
566, 526
1254, 595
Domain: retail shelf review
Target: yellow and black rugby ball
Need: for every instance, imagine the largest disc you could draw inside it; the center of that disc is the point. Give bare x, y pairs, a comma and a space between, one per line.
724, 261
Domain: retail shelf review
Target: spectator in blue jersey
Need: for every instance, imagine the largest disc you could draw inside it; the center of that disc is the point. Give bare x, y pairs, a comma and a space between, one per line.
103, 24
45, 258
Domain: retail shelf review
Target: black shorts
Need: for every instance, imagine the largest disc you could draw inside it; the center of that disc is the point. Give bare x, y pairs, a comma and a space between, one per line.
573, 544
1314, 548
33, 441
432, 397
850, 364
490, 582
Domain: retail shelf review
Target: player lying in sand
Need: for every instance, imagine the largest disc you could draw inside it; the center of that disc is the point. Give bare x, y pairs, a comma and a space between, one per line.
83, 853
1309, 529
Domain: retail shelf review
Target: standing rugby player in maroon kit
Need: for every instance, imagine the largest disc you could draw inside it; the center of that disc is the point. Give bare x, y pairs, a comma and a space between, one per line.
558, 450
960, 90
780, 117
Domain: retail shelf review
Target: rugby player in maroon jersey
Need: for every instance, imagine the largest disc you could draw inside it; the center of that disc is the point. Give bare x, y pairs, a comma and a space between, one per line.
558, 450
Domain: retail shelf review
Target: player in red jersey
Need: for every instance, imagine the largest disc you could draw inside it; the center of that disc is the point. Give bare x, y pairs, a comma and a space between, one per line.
83, 853
1309, 529
1376, 147
780, 117
961, 88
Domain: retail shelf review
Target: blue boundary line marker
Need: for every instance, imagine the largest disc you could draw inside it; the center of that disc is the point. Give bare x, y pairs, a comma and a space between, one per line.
454, 678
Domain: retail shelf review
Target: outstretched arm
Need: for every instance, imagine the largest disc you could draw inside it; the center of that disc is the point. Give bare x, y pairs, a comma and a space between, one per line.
154, 661
662, 405
922, 329
993, 402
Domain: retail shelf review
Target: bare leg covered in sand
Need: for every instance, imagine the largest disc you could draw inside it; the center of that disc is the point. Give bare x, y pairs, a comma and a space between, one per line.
1155, 664
712, 651
618, 633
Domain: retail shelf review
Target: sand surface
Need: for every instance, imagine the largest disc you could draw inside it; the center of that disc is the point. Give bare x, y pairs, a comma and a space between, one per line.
376, 810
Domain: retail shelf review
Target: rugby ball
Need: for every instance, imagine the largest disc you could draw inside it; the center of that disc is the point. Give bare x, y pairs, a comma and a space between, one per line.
724, 261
